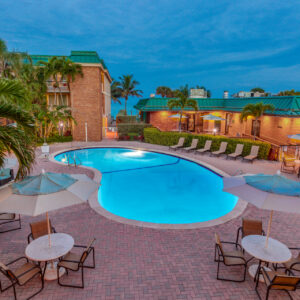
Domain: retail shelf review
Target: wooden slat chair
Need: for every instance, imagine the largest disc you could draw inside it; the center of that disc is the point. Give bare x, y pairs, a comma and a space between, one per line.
74, 262
38, 229
21, 275
250, 227
229, 258
277, 281
7, 218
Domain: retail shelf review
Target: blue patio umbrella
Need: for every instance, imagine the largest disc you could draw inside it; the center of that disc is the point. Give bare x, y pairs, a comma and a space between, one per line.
294, 136
270, 192
45, 192
177, 116
211, 117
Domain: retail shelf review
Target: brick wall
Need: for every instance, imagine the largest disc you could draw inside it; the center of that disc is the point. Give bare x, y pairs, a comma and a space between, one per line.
86, 103
273, 128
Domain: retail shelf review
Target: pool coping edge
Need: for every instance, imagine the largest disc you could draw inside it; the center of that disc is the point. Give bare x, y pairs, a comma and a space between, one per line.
95, 205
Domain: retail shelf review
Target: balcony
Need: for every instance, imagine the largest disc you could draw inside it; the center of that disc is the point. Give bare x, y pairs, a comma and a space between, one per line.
62, 88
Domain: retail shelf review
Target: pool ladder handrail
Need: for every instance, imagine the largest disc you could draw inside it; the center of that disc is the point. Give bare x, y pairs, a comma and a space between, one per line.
74, 161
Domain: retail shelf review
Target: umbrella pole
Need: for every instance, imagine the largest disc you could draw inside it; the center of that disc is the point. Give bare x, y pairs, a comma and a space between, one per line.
49, 230
269, 228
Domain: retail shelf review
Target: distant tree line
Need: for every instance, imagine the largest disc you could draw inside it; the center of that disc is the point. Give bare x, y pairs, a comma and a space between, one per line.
167, 92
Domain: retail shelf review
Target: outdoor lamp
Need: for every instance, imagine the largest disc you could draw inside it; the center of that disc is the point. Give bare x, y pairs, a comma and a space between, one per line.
215, 130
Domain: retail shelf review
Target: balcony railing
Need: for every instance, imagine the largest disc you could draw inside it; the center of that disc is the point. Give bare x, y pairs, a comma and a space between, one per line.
52, 88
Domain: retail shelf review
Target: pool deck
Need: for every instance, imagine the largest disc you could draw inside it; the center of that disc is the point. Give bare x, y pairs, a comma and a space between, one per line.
145, 263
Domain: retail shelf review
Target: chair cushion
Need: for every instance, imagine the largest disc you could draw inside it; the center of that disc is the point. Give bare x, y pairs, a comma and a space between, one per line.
234, 260
24, 278
68, 264
7, 216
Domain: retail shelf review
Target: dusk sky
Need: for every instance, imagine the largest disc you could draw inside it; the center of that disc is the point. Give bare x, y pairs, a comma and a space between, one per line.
223, 45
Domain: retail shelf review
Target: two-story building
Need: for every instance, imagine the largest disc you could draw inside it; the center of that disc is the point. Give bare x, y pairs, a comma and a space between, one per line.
88, 96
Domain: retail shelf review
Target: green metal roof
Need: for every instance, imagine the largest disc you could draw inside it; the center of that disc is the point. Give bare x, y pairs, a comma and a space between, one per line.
284, 106
86, 57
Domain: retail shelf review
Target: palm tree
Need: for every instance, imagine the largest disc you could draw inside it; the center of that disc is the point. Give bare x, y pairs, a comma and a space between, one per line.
19, 139
115, 91
127, 86
181, 103
164, 91
256, 111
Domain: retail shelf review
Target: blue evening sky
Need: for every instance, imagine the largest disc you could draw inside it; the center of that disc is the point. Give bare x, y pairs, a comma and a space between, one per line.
221, 44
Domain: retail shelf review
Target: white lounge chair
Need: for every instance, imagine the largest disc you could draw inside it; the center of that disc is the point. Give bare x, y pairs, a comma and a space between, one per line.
179, 145
206, 148
45, 151
253, 154
193, 146
221, 150
238, 151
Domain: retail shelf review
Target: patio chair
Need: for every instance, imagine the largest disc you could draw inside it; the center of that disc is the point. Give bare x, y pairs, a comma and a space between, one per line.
288, 166
277, 281
292, 266
238, 151
74, 262
6, 175
229, 258
179, 145
221, 150
253, 154
21, 275
7, 218
193, 146
249, 227
206, 148
38, 229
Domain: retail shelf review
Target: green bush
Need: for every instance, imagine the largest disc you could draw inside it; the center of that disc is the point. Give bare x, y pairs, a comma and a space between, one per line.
137, 128
55, 139
154, 136
126, 119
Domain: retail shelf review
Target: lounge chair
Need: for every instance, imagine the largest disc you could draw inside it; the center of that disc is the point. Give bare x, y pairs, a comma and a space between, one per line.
229, 258
6, 218
38, 229
206, 148
288, 166
253, 154
6, 175
179, 145
277, 281
221, 150
21, 275
74, 262
193, 146
238, 151
249, 227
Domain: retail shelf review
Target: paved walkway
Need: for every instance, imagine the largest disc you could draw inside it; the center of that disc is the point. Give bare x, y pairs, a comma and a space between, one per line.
144, 263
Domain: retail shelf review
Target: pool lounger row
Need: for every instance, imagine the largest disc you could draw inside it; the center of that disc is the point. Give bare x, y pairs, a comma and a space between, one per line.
223, 146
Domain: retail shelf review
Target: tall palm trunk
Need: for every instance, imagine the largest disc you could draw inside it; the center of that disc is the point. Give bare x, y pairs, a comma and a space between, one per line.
180, 121
126, 98
255, 127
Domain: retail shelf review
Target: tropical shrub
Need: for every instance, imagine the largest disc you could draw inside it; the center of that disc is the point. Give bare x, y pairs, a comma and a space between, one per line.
126, 119
137, 128
154, 136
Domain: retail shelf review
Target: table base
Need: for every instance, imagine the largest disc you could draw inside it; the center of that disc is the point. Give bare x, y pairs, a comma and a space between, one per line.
51, 271
253, 270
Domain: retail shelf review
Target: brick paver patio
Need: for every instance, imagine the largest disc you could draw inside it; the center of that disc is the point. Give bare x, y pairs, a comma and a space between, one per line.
143, 263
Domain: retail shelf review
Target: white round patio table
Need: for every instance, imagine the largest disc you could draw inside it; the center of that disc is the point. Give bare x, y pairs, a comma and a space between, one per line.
39, 250
276, 252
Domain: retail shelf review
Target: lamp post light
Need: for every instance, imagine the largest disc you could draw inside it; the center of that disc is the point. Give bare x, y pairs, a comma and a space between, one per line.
61, 127
215, 131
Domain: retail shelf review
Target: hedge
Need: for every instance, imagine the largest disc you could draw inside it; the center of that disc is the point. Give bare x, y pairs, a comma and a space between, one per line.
126, 128
126, 119
55, 139
154, 136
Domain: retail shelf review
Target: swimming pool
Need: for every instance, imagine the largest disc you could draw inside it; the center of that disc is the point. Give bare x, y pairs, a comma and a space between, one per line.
155, 187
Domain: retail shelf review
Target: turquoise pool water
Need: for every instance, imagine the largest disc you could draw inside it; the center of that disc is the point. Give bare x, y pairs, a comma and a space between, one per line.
154, 187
